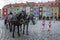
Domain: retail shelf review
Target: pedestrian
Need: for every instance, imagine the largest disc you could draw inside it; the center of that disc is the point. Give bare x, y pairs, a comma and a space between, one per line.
43, 24
49, 26
5, 21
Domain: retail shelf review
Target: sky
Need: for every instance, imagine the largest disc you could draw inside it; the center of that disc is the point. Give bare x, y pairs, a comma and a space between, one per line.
4, 2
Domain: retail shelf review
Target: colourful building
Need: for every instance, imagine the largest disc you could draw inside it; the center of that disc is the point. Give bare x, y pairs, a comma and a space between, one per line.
36, 11
54, 12
40, 12
4, 11
44, 11
47, 9
58, 2
28, 10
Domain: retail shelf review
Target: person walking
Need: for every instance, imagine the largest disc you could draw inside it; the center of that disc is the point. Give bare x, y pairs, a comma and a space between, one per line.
49, 26
43, 24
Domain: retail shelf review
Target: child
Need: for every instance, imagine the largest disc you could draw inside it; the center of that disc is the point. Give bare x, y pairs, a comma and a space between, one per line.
49, 25
43, 24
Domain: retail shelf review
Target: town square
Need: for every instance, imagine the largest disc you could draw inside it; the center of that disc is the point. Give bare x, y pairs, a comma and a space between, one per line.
30, 20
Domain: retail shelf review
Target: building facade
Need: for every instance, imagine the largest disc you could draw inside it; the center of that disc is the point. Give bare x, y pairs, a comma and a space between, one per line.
28, 10
44, 11
58, 2
54, 12
47, 10
4, 11
36, 11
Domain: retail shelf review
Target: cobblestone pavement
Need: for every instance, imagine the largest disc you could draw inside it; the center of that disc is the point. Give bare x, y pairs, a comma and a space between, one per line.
35, 32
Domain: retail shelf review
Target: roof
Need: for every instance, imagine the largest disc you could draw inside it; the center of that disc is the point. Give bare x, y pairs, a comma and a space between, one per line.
49, 3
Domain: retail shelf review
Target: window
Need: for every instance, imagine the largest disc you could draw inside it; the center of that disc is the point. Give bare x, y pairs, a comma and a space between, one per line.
51, 3
31, 9
51, 17
17, 9
5, 13
40, 13
59, 3
52, 14
55, 9
52, 9
55, 17
40, 8
55, 4
5, 10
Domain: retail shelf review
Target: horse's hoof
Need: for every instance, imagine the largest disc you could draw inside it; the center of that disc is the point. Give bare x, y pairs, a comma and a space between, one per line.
21, 30
27, 34
19, 35
23, 33
13, 36
10, 30
6, 28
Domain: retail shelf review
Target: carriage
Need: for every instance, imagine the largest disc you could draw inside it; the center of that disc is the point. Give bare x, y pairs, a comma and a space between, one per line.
18, 20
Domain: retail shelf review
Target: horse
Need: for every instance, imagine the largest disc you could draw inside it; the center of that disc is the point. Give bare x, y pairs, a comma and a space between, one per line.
31, 16
18, 20
12, 22
24, 19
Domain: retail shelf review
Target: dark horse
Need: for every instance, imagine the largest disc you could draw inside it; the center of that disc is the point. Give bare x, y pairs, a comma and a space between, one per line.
19, 20
24, 20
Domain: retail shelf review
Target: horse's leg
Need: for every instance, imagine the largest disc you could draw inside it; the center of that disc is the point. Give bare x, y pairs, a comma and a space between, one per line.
33, 22
18, 30
10, 27
20, 27
27, 29
6, 26
23, 28
5, 22
13, 31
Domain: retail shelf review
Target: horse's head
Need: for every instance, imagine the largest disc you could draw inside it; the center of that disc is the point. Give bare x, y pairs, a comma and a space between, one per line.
21, 17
